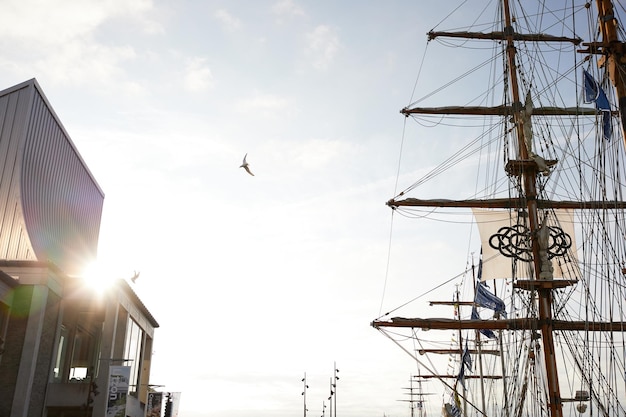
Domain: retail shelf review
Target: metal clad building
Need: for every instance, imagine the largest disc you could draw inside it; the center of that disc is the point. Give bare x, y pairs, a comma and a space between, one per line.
60, 340
50, 204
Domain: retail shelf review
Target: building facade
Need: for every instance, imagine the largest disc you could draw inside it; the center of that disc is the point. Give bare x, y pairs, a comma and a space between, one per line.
59, 339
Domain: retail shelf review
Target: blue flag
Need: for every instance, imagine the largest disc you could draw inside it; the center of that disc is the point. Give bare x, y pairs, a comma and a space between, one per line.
594, 93
452, 410
466, 362
467, 358
486, 299
487, 332
461, 376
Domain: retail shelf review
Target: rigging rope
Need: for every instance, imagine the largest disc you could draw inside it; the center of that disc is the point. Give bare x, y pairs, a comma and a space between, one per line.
601, 290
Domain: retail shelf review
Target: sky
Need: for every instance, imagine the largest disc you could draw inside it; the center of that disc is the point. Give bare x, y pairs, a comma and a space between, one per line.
254, 280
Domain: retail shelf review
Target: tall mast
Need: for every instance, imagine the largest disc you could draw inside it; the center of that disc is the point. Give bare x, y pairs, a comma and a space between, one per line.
529, 176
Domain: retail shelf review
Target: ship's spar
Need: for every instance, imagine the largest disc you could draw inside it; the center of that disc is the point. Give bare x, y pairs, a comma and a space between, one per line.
613, 56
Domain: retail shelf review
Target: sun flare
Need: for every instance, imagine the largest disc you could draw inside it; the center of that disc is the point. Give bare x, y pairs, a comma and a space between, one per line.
98, 278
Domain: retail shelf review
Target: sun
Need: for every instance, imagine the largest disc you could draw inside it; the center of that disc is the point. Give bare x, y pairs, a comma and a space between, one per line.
98, 278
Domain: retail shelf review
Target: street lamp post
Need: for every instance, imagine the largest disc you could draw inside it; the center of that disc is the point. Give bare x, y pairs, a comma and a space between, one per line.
304, 393
330, 398
334, 384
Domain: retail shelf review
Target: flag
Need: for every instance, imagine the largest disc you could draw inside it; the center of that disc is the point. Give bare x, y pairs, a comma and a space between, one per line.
452, 410
486, 299
461, 376
118, 390
466, 362
466, 359
488, 333
594, 93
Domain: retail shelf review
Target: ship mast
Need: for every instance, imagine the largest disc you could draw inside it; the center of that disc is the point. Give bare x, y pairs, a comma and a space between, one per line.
527, 169
529, 175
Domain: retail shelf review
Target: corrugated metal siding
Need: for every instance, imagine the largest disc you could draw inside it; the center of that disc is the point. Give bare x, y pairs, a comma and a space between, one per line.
62, 205
14, 243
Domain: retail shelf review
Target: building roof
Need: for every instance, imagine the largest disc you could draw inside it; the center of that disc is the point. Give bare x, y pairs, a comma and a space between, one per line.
51, 202
125, 286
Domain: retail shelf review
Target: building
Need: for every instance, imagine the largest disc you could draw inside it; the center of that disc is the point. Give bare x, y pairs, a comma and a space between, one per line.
59, 340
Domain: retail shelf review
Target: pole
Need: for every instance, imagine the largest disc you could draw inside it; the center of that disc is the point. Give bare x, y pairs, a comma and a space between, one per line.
530, 191
304, 393
330, 398
335, 370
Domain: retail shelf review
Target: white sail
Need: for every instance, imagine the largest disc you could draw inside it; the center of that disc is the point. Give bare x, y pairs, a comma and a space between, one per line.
504, 239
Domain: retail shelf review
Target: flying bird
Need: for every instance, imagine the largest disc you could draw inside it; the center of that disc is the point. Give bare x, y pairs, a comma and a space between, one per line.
245, 165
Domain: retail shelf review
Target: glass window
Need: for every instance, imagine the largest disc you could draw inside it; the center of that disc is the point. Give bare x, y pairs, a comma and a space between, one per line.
59, 361
84, 348
134, 344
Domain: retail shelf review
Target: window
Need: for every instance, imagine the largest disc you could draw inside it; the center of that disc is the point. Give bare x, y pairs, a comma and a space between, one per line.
83, 343
132, 351
59, 361
82, 355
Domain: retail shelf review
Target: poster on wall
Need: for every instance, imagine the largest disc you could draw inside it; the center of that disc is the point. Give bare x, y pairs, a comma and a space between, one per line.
154, 404
118, 390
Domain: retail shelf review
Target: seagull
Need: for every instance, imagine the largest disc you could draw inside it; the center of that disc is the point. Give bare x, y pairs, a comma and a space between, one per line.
135, 276
245, 165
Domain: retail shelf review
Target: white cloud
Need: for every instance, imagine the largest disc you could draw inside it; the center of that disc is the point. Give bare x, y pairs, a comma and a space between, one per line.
287, 8
318, 153
79, 63
229, 22
323, 45
27, 20
265, 102
58, 41
198, 76
303, 158
265, 106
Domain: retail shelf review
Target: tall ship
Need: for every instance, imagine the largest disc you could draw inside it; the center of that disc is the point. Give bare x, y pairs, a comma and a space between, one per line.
531, 110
